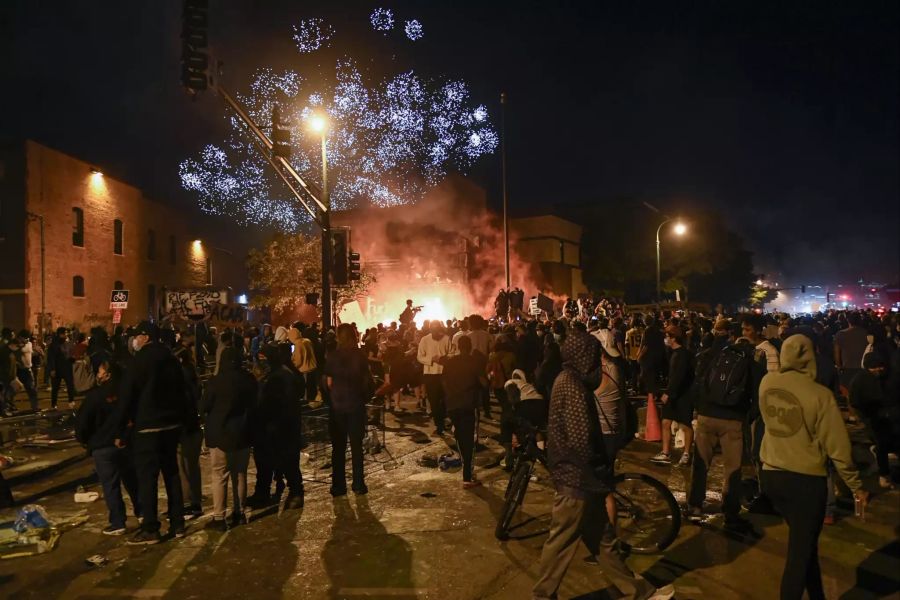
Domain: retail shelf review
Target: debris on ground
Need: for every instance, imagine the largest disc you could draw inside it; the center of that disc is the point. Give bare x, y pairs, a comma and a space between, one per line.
33, 532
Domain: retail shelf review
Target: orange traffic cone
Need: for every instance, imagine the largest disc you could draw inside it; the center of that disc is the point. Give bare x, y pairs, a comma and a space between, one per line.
652, 429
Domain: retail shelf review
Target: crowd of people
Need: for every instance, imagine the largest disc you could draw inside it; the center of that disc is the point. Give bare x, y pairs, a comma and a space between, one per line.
759, 387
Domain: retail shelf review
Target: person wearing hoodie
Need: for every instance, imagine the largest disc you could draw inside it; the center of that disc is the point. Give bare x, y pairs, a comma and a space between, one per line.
874, 400
580, 470
304, 360
226, 404
264, 337
97, 429
277, 423
804, 429
527, 402
155, 401
464, 379
350, 383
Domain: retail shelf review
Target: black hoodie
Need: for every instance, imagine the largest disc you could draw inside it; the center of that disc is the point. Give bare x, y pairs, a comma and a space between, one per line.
154, 394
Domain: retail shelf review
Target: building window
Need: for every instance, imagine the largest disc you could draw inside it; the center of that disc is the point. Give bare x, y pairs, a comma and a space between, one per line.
118, 285
151, 244
151, 300
78, 286
172, 250
77, 227
118, 237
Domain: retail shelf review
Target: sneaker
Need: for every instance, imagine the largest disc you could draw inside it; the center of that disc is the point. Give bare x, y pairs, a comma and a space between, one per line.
885, 482
192, 512
664, 593
695, 514
238, 519
178, 532
144, 538
293, 501
685, 460
219, 525
361, 489
113, 530
738, 525
468, 485
661, 459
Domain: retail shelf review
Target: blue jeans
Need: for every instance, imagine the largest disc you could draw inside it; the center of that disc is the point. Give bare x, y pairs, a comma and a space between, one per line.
114, 469
27, 379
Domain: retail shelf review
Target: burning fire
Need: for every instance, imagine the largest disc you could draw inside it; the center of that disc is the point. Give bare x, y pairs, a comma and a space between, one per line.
385, 303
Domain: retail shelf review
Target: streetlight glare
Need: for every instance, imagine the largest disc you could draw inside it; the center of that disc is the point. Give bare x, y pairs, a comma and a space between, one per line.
318, 123
680, 229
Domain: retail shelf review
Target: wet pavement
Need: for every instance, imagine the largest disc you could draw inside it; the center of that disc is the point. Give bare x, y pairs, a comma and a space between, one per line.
419, 535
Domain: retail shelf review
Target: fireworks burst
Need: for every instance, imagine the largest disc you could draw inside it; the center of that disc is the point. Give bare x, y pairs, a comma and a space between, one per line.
388, 141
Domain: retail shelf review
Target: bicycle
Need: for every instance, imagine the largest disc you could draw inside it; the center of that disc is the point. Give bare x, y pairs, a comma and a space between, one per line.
648, 517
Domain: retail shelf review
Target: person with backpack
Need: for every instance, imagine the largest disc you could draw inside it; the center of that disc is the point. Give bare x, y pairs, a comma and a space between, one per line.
677, 402
154, 405
728, 396
580, 471
96, 428
618, 424
59, 361
804, 429
226, 404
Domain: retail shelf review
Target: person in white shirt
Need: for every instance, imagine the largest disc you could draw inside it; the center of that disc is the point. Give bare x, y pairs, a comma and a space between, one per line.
463, 331
607, 338
434, 348
751, 329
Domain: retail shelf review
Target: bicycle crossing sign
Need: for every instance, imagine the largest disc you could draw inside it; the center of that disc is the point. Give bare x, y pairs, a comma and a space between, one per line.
118, 300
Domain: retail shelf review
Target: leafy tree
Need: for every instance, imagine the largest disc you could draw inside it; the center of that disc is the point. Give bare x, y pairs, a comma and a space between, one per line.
288, 268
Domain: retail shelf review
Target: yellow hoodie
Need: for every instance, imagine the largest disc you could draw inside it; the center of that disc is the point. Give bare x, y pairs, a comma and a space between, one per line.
804, 426
304, 355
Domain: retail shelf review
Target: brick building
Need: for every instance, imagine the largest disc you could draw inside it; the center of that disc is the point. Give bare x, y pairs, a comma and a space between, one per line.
99, 234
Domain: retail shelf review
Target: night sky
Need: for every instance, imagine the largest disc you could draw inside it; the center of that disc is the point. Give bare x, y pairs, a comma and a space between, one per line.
781, 115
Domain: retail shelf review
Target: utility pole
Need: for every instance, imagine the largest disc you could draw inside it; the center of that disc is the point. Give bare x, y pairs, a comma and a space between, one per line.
503, 171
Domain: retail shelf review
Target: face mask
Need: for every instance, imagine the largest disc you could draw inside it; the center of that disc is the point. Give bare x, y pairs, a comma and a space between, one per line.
135, 345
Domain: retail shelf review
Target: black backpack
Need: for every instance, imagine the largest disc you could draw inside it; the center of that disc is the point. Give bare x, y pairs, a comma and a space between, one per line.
729, 380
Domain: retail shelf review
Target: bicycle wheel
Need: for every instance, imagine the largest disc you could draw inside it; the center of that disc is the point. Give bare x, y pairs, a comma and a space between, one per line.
515, 493
648, 518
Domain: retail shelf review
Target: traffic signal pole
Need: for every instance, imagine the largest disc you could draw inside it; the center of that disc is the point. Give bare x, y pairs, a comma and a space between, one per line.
195, 77
326, 243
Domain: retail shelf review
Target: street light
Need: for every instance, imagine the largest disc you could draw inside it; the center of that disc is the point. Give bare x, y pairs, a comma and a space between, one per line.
319, 124
680, 229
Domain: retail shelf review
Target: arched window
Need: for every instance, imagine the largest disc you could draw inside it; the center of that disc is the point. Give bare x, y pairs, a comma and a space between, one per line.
118, 237
77, 227
151, 244
78, 286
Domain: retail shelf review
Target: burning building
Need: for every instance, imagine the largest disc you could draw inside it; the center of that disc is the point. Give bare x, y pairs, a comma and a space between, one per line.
446, 255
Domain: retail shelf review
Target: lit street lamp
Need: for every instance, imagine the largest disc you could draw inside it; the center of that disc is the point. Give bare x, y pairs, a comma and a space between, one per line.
319, 124
680, 229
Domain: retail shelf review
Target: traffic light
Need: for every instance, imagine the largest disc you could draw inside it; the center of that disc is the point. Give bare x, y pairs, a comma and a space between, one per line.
281, 135
339, 248
353, 265
194, 41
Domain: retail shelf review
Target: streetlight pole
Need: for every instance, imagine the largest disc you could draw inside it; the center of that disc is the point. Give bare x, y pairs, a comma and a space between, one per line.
326, 242
679, 230
658, 286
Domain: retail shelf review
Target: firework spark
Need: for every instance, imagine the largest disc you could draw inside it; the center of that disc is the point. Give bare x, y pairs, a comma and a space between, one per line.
388, 141
382, 19
413, 30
